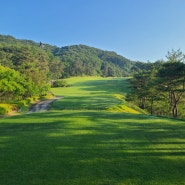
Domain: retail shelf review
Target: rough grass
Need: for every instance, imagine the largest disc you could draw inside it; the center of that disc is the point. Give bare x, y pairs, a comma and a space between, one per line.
73, 146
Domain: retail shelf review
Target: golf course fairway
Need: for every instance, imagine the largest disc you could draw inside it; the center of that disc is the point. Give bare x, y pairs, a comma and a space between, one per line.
92, 136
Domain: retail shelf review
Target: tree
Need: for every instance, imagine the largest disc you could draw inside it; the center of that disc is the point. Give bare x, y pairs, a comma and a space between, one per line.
171, 79
56, 68
13, 86
144, 86
145, 91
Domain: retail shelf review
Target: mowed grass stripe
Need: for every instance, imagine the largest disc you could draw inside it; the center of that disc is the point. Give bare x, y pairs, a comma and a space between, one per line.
91, 147
90, 93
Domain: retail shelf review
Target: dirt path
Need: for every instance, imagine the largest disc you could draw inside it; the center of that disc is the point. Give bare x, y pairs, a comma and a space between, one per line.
42, 105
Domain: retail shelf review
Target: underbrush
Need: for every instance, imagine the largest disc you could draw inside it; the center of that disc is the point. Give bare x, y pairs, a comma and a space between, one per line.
4, 109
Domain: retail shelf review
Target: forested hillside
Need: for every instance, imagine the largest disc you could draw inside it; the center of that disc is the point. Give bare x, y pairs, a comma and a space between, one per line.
77, 60
84, 60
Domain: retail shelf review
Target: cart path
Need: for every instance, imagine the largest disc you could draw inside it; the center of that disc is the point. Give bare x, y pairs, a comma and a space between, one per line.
42, 105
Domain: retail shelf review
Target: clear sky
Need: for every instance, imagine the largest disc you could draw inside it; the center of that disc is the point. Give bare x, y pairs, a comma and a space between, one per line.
143, 30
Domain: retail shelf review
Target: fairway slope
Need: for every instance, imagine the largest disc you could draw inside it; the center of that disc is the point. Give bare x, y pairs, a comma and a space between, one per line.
93, 93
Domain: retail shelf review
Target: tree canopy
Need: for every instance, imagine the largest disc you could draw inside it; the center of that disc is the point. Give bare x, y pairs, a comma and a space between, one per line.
161, 90
14, 86
76, 60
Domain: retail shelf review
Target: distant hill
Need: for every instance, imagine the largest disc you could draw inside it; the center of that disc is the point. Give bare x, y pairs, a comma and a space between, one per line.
76, 60
85, 60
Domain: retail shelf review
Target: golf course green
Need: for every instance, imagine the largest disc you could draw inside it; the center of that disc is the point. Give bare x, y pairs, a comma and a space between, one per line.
92, 136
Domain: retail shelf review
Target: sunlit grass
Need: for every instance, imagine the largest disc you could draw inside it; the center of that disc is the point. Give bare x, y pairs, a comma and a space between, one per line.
94, 93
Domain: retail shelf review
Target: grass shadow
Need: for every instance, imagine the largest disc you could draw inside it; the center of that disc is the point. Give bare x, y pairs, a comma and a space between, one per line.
105, 86
90, 147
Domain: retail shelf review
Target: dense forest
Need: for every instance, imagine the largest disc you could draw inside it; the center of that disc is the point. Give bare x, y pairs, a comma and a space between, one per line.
76, 60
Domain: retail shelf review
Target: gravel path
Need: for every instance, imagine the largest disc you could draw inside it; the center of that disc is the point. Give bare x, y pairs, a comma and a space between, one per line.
42, 105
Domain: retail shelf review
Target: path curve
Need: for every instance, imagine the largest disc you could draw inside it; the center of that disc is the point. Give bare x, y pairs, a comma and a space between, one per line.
43, 105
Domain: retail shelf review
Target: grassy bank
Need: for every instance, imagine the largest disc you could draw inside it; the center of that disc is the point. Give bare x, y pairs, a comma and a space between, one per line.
82, 142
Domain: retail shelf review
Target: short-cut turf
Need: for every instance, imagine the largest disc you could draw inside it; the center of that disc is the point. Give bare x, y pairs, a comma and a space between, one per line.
79, 142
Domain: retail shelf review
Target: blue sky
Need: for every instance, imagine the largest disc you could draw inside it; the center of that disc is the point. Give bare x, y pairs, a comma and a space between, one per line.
143, 30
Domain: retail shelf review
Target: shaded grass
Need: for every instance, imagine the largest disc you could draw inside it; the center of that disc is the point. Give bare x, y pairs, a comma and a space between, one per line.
88, 147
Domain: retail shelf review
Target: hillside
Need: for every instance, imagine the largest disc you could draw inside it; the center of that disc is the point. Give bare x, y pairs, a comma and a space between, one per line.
85, 60
76, 60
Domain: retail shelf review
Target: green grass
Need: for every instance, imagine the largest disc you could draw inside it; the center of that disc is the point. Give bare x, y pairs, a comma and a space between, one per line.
92, 93
79, 144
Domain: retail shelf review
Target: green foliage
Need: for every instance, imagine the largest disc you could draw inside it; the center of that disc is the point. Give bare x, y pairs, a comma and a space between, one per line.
4, 109
13, 86
31, 75
55, 62
172, 79
52, 62
82, 60
56, 68
59, 83
161, 90
30, 61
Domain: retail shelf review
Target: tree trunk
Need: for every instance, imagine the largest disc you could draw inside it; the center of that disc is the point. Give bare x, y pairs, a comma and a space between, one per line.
171, 100
175, 100
142, 101
151, 107
175, 110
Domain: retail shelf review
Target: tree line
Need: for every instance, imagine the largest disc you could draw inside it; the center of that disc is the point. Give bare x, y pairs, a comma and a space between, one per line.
24, 72
161, 89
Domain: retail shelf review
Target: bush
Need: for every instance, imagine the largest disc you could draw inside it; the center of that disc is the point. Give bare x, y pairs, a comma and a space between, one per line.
4, 109
21, 103
59, 83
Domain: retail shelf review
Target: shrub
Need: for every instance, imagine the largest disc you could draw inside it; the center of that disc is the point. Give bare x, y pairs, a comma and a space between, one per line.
4, 109
59, 83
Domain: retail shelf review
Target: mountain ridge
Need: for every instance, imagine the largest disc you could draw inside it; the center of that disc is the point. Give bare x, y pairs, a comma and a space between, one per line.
79, 60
